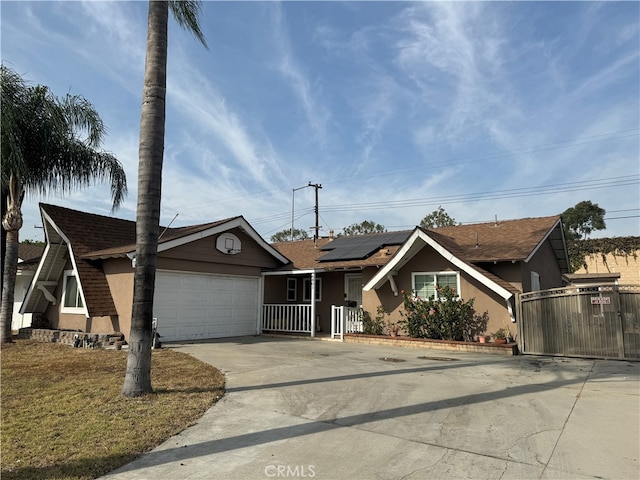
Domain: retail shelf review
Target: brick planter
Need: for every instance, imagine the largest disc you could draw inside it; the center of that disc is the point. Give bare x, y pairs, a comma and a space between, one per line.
68, 336
408, 342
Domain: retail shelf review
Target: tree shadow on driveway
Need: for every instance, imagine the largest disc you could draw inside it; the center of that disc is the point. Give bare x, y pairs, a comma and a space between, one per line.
245, 440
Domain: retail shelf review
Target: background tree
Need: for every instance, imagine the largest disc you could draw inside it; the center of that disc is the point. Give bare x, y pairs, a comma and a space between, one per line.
285, 235
137, 379
362, 228
42, 152
580, 220
438, 218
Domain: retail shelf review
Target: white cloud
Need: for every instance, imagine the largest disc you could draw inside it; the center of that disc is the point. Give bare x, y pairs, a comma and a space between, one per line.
212, 122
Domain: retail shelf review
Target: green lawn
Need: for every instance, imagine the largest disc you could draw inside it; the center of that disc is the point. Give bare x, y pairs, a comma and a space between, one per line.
63, 415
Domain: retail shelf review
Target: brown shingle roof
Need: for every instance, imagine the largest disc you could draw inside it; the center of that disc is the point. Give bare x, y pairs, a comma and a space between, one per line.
509, 240
304, 254
168, 235
502, 241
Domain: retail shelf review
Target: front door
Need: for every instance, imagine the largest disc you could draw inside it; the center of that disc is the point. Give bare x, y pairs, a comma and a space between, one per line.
353, 289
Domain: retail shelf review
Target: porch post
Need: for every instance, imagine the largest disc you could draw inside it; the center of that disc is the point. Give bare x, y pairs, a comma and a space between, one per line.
313, 303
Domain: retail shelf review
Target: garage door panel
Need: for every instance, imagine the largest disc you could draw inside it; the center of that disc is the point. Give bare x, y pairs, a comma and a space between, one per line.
193, 331
205, 306
167, 332
219, 330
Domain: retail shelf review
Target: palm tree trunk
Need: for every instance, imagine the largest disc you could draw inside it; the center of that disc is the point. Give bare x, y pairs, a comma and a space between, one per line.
138, 375
3, 237
11, 223
8, 285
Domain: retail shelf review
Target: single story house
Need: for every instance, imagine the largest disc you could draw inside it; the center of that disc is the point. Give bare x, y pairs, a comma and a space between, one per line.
490, 262
208, 280
221, 279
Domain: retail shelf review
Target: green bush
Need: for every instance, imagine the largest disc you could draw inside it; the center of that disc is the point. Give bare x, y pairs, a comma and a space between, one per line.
372, 326
445, 318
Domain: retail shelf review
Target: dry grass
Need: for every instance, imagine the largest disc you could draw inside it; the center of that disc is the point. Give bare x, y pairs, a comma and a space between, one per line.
63, 416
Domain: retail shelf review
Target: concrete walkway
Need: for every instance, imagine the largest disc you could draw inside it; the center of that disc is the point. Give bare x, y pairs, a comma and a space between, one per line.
326, 410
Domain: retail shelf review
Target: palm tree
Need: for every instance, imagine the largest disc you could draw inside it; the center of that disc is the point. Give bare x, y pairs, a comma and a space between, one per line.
137, 379
42, 152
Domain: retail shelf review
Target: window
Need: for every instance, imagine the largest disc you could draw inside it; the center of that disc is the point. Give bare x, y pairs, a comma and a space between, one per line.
535, 281
71, 297
307, 290
292, 289
424, 283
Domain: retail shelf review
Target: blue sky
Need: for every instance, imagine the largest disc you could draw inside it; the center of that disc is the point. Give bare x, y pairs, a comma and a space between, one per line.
514, 109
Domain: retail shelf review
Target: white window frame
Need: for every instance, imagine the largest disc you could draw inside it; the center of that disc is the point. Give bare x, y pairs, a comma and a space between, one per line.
307, 290
435, 280
63, 302
292, 289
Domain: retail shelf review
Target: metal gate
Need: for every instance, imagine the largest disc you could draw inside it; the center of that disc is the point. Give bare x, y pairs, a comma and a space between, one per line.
581, 321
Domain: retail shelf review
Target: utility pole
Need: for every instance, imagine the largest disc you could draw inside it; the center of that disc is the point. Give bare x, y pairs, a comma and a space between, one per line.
316, 186
293, 208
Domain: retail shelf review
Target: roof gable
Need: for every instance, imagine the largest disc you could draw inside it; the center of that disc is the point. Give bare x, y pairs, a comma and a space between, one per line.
448, 250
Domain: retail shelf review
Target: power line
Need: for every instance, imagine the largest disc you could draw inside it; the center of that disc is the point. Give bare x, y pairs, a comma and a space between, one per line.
478, 196
621, 134
620, 218
496, 194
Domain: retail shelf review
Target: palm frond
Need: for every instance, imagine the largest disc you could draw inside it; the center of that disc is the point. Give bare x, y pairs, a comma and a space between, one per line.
186, 13
42, 146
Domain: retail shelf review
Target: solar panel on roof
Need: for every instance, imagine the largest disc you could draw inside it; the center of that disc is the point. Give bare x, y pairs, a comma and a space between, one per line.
360, 247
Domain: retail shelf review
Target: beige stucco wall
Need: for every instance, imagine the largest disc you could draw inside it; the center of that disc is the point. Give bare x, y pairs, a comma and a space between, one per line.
627, 266
508, 271
428, 260
120, 274
202, 256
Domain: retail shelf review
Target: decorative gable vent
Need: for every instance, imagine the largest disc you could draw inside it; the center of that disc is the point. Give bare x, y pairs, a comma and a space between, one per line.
228, 244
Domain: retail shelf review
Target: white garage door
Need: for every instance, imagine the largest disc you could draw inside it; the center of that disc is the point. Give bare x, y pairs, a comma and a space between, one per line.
190, 307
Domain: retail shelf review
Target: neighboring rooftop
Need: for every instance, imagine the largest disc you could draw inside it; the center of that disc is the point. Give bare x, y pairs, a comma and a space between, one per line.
29, 255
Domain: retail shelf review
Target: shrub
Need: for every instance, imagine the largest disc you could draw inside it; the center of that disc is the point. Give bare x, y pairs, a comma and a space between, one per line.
446, 318
372, 326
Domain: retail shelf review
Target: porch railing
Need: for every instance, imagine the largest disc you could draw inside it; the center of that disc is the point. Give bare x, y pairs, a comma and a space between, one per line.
286, 318
345, 320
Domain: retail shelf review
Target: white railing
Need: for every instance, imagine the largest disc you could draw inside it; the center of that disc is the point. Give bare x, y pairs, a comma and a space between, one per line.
345, 320
286, 318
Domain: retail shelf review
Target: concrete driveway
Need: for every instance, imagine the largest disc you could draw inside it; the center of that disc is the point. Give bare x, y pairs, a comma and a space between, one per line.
325, 410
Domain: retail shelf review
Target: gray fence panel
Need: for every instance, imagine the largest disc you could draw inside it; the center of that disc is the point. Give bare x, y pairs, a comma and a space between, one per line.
596, 321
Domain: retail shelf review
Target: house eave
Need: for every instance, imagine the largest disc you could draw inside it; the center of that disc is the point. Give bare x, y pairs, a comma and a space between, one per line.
307, 271
561, 252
